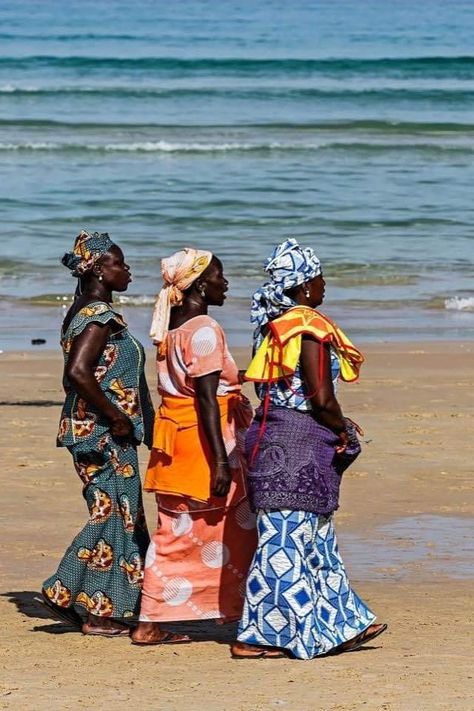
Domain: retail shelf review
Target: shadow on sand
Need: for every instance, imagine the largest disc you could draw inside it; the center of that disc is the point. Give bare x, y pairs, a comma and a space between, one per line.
28, 602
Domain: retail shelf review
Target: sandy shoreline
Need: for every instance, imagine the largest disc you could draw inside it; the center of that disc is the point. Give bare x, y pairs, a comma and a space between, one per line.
403, 531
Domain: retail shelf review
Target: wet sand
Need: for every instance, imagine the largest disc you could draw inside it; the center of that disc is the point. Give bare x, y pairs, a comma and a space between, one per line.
404, 531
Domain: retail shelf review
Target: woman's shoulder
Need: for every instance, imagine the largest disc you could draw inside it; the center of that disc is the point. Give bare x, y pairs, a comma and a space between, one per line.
95, 308
199, 321
95, 311
201, 335
197, 324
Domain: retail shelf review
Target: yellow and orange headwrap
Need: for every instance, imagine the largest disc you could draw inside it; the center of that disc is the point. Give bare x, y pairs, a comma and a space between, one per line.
179, 271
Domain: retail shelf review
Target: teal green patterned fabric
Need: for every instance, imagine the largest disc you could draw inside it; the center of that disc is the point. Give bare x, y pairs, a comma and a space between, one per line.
102, 570
120, 373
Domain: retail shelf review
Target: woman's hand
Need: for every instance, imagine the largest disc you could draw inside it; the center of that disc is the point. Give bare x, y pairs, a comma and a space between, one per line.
221, 479
121, 426
343, 442
357, 427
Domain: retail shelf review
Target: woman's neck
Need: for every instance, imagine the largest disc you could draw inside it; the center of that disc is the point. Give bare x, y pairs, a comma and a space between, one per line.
96, 292
190, 308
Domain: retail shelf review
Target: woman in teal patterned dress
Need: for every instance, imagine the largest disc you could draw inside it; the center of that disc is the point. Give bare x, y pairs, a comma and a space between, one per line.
106, 414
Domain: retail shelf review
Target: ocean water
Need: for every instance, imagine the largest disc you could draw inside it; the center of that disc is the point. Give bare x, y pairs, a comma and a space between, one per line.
231, 126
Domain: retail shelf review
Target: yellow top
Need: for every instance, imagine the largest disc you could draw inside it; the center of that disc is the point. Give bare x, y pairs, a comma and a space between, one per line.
278, 355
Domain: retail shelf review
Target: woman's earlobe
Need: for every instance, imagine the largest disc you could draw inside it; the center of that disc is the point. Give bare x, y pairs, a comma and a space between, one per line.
201, 289
96, 273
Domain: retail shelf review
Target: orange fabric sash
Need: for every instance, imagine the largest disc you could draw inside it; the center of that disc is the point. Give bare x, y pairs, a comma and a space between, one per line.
180, 461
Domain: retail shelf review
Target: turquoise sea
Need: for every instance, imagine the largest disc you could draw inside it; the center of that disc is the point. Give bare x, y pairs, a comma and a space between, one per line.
231, 125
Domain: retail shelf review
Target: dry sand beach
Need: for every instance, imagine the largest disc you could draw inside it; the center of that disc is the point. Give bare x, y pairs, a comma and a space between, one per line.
403, 529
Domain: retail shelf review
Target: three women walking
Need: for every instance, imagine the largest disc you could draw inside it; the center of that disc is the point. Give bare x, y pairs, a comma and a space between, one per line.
210, 472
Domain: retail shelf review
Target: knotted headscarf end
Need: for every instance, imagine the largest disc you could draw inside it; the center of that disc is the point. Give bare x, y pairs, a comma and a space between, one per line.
179, 272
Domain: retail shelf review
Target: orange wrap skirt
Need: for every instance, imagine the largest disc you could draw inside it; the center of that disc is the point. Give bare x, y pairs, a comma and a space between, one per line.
197, 562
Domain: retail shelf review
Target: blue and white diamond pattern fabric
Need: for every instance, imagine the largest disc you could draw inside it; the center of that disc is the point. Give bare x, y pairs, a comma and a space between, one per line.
292, 393
298, 596
257, 587
280, 562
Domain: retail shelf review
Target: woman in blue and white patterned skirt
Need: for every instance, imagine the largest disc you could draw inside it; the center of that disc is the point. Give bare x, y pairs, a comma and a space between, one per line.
299, 602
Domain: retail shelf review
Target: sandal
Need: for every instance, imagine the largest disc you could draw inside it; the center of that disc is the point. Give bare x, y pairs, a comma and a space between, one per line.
63, 614
260, 652
354, 644
91, 630
168, 638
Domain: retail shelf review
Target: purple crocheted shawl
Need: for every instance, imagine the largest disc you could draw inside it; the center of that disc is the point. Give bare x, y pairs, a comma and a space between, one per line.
296, 466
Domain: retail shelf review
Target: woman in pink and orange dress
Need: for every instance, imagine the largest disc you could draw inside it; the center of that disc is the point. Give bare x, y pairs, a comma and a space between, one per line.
200, 553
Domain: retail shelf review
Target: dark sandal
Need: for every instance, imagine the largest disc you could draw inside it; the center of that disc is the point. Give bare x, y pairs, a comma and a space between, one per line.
359, 641
168, 638
63, 614
261, 655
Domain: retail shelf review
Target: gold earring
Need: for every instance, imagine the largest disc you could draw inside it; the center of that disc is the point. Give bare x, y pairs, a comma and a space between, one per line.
101, 278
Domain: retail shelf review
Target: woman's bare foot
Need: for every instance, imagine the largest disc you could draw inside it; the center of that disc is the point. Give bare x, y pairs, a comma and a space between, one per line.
150, 633
241, 650
104, 626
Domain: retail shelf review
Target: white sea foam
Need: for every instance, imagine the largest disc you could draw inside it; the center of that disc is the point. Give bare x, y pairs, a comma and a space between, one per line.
170, 147
196, 147
322, 85
143, 300
154, 147
31, 146
66, 299
12, 89
459, 303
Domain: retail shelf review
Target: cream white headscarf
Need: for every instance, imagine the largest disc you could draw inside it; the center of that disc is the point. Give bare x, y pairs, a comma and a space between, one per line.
179, 271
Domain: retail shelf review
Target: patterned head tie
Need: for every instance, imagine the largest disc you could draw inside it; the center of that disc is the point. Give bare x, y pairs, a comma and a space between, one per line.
179, 272
288, 266
88, 248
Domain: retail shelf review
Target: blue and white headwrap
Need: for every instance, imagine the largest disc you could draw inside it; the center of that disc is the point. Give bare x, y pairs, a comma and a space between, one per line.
288, 266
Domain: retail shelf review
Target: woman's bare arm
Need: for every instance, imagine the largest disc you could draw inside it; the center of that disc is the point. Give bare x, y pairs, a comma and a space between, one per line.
210, 420
318, 381
85, 352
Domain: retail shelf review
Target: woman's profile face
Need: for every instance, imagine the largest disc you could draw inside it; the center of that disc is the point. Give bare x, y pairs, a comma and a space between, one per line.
214, 283
316, 290
114, 270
